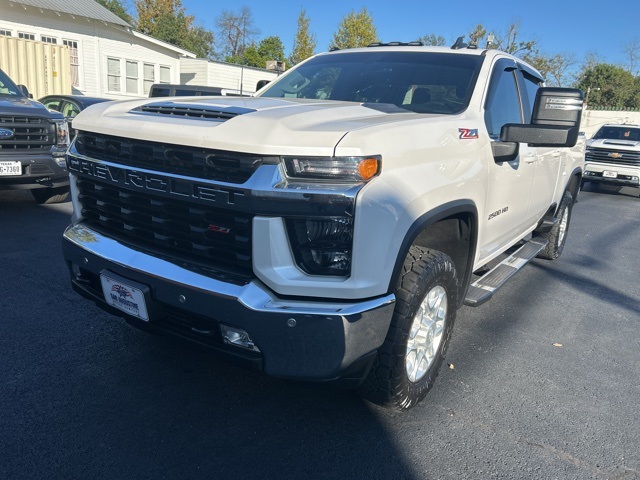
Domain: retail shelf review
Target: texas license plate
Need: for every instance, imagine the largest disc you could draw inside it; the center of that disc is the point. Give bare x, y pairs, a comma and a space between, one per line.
10, 168
609, 174
124, 297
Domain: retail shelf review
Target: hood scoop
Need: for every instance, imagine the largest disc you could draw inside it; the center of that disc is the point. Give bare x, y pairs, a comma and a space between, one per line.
626, 143
216, 113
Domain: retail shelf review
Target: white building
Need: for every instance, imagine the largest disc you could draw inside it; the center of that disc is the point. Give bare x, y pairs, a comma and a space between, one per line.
199, 71
108, 58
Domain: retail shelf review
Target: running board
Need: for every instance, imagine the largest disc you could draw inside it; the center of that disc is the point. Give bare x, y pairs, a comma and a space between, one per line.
482, 289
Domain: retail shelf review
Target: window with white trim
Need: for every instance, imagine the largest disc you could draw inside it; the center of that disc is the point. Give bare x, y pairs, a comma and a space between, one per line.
6, 33
46, 39
113, 74
149, 76
132, 77
26, 36
75, 61
165, 74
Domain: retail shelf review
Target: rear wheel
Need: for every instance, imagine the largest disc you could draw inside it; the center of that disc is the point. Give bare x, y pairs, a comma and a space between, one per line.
413, 351
557, 236
50, 195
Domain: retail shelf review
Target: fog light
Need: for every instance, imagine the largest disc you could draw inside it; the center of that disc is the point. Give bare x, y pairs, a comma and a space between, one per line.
75, 269
238, 337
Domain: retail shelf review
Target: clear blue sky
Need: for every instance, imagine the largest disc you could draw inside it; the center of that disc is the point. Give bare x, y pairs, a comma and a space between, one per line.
560, 26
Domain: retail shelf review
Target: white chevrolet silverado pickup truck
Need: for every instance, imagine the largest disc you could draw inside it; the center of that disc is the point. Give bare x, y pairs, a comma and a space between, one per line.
328, 229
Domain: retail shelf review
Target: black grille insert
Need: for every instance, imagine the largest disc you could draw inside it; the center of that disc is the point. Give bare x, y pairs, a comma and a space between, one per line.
218, 165
188, 233
29, 133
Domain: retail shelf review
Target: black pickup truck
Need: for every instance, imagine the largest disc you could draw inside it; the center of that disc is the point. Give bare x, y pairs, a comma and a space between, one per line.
33, 142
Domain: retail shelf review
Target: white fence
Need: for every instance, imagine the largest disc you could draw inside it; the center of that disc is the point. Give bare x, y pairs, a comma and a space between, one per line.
592, 120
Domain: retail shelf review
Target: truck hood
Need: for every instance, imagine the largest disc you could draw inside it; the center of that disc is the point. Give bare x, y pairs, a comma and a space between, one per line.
13, 105
271, 126
617, 144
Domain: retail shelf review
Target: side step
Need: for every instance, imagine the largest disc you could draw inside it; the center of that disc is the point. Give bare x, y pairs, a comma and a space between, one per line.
482, 289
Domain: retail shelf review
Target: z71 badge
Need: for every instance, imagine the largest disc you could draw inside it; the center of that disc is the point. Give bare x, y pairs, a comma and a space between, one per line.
468, 133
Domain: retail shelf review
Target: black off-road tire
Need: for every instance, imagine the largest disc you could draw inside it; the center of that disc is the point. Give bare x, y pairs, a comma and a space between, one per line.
50, 195
557, 236
388, 383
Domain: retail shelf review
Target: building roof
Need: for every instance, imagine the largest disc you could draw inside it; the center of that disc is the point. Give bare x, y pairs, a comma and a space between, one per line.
83, 8
161, 43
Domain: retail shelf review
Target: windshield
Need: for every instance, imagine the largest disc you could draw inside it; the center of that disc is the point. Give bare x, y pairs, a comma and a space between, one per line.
423, 82
618, 133
7, 87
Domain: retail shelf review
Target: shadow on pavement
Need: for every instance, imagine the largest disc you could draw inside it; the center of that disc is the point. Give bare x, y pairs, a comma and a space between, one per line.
87, 396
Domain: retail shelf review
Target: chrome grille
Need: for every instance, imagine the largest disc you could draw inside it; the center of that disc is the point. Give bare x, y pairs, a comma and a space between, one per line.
202, 236
620, 157
31, 134
208, 164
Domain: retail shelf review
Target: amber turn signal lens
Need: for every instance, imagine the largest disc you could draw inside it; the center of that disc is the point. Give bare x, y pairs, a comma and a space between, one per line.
368, 167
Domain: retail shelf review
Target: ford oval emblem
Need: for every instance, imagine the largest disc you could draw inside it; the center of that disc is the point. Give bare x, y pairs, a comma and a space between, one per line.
6, 134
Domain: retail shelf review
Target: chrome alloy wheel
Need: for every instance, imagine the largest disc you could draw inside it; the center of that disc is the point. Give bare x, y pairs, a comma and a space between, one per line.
426, 333
564, 221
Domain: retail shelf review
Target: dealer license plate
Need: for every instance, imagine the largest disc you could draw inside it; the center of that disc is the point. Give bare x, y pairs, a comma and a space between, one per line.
609, 174
124, 297
10, 168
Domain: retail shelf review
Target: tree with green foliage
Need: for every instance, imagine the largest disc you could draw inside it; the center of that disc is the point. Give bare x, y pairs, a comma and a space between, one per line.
433, 40
257, 55
355, 30
610, 86
115, 6
166, 20
510, 43
304, 44
477, 35
507, 42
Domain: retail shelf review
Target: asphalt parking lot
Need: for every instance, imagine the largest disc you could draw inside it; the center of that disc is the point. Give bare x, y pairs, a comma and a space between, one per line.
542, 382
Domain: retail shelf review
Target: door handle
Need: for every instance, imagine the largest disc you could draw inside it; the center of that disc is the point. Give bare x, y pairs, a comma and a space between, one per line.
556, 153
530, 158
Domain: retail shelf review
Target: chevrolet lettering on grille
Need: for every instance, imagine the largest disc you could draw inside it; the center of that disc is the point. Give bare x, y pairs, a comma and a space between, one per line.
153, 183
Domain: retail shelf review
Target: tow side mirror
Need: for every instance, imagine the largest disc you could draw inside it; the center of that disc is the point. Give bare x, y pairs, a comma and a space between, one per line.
555, 121
25, 91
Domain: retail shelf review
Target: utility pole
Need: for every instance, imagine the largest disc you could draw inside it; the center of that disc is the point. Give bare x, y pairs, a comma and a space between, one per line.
244, 31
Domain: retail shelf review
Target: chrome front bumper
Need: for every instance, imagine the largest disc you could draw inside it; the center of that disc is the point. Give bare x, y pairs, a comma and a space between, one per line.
298, 338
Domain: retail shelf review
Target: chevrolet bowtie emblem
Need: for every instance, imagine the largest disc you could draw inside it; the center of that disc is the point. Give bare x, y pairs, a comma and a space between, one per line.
615, 155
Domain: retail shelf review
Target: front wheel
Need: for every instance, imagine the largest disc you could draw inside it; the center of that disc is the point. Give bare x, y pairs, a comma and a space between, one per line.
410, 357
557, 236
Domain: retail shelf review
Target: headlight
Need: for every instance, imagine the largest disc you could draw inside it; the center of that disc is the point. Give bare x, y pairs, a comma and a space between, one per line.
332, 169
62, 134
322, 246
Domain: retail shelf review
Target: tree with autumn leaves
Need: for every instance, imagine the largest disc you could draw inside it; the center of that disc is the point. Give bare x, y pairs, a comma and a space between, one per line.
166, 20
